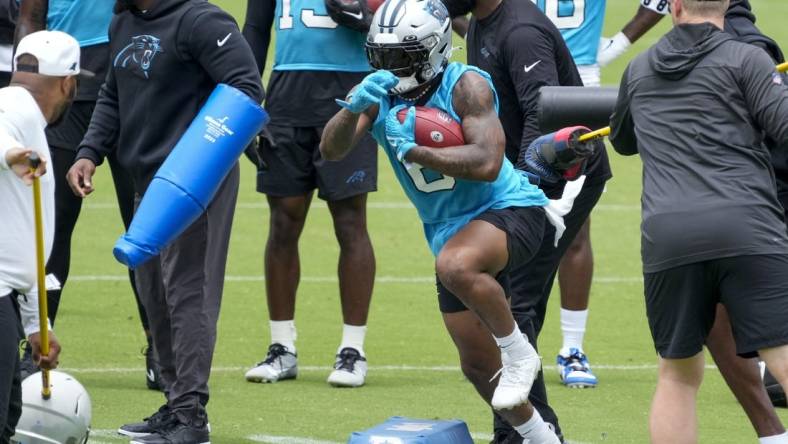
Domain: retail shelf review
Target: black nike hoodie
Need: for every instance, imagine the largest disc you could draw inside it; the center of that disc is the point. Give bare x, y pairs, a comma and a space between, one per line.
165, 62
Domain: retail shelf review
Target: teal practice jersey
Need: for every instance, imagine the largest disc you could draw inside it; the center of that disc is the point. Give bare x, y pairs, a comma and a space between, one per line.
86, 20
580, 22
308, 39
446, 204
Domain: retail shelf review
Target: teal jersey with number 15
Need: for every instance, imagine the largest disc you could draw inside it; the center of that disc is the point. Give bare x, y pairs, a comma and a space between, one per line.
308, 39
446, 204
580, 23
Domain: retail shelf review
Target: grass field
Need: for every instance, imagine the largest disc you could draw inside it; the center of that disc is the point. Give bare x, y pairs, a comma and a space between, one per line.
413, 363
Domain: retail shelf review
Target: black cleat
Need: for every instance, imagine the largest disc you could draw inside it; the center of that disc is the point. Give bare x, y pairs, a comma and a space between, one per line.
152, 372
149, 425
177, 432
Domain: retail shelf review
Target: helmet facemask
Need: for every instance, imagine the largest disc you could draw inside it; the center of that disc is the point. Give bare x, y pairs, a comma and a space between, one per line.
410, 61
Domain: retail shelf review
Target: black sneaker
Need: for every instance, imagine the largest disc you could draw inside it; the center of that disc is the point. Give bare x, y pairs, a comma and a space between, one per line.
26, 366
149, 425
177, 432
152, 373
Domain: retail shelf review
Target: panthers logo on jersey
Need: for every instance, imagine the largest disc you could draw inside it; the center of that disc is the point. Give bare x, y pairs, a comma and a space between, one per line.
138, 55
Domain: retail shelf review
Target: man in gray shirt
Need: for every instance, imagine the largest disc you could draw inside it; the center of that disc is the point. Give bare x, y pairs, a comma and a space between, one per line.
697, 107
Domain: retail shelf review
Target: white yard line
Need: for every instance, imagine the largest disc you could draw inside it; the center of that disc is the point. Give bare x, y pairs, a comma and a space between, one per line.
333, 279
371, 205
272, 439
374, 368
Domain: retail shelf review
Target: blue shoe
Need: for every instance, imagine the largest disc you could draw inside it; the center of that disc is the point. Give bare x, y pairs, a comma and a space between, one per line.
574, 370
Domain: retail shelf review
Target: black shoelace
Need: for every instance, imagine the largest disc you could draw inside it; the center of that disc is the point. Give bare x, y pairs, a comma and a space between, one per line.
347, 359
275, 351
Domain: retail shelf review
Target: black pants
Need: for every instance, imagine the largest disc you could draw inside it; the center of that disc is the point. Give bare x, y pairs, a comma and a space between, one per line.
63, 140
532, 283
182, 292
10, 380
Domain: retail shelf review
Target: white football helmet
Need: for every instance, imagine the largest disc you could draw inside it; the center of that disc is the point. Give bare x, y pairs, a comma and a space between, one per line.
64, 418
412, 39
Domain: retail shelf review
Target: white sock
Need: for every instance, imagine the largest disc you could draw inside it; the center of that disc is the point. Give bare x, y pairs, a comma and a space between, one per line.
573, 326
353, 337
284, 332
514, 345
776, 439
535, 429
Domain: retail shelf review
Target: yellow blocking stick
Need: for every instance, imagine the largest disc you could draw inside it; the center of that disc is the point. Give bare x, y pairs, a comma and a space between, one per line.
43, 310
782, 67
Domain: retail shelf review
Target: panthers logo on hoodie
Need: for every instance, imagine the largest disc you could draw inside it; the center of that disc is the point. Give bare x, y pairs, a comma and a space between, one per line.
138, 55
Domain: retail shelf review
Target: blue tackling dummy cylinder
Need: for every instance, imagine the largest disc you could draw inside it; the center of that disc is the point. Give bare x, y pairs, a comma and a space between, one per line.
192, 173
399, 430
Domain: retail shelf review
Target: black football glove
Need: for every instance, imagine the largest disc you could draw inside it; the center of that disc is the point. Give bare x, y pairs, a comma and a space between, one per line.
353, 14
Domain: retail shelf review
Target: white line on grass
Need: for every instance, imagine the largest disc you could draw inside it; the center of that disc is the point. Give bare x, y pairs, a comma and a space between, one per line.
374, 368
371, 205
333, 279
271, 439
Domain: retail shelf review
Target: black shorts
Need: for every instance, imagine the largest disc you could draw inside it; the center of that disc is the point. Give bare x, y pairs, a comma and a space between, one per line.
681, 303
68, 133
531, 283
523, 227
292, 165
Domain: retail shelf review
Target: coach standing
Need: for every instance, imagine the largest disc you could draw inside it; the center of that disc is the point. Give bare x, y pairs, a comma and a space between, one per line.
167, 57
697, 107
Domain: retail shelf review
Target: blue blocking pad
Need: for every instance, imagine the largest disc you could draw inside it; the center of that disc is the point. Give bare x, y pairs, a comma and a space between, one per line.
186, 182
399, 430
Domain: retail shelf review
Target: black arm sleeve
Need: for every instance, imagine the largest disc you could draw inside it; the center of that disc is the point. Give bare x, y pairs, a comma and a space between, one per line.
622, 134
101, 137
529, 55
214, 40
257, 29
766, 96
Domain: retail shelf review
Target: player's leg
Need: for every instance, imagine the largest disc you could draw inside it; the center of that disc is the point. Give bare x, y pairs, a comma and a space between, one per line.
574, 277
287, 177
743, 377
9, 364
345, 185
673, 418
755, 293
680, 305
466, 266
480, 359
124, 192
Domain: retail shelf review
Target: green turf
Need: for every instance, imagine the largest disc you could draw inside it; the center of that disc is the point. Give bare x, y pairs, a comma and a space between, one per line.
100, 332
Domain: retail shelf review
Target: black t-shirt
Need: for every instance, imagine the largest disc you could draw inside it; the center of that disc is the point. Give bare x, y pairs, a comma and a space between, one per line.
306, 98
522, 50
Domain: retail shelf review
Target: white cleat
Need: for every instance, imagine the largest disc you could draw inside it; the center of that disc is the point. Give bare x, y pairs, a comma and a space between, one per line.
350, 369
279, 364
517, 377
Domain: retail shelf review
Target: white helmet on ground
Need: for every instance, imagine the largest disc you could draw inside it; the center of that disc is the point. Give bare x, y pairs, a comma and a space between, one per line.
412, 39
64, 418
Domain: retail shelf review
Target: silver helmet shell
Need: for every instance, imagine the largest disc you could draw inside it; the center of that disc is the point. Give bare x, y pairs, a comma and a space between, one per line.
412, 39
64, 418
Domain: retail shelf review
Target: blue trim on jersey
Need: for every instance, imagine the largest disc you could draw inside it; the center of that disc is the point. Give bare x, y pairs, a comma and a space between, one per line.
581, 35
445, 211
86, 20
311, 40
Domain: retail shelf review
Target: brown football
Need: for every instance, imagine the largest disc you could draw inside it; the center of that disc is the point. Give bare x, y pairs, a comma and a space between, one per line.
435, 128
374, 4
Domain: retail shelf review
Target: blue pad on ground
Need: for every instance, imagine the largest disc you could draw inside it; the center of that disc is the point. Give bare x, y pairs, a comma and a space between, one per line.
399, 430
186, 182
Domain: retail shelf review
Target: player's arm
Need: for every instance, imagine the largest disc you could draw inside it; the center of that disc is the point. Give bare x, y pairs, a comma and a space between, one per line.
622, 134
32, 18
344, 131
529, 55
260, 16
766, 95
212, 37
649, 13
481, 158
460, 25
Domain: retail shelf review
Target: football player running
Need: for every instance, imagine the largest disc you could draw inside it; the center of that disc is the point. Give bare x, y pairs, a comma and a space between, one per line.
480, 215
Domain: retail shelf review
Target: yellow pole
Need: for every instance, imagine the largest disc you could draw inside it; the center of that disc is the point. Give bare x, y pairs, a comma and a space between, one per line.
43, 310
782, 67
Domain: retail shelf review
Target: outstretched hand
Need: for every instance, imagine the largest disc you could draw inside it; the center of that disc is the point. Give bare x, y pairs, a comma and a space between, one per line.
80, 177
369, 92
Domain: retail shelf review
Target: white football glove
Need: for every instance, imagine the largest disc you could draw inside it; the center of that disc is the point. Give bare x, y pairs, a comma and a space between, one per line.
611, 48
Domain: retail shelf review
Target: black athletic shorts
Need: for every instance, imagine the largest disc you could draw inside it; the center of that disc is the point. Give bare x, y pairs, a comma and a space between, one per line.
523, 227
292, 165
681, 303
